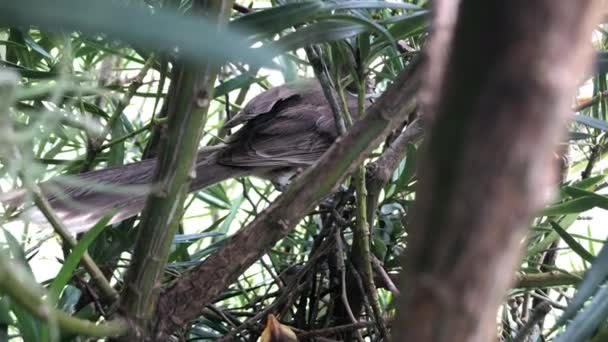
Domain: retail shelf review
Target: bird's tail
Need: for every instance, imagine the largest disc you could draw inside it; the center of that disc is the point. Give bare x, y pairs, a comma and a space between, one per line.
82, 200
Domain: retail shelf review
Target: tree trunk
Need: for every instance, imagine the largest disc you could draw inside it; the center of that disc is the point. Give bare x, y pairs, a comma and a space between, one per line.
502, 105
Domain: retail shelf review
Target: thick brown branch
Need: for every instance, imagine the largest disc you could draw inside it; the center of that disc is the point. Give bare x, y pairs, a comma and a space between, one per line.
487, 165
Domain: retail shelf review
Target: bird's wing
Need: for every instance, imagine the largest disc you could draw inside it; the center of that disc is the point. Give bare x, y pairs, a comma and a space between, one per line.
263, 103
295, 136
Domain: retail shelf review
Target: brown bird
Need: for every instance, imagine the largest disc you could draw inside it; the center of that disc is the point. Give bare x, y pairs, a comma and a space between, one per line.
277, 332
284, 130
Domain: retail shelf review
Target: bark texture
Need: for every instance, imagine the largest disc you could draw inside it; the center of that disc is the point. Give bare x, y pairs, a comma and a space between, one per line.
503, 104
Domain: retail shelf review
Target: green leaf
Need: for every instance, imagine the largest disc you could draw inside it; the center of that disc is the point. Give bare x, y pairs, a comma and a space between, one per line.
70, 264
593, 280
579, 136
278, 18
564, 222
234, 209
196, 39
35, 47
589, 183
576, 192
190, 238
577, 205
586, 323
379, 247
354, 4
409, 171
69, 298
16, 251
321, 32
238, 82
591, 122
571, 242
407, 25
371, 26
214, 196
5, 317
29, 326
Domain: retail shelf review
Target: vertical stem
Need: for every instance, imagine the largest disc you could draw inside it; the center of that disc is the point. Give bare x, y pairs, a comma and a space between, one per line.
361, 235
164, 208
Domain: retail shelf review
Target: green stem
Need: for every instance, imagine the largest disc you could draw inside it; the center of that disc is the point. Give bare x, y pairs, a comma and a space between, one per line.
187, 110
149, 125
361, 239
127, 96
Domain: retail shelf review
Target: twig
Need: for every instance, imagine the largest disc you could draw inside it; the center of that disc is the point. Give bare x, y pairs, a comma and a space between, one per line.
96, 274
388, 282
318, 65
547, 279
343, 292
360, 252
333, 330
290, 289
590, 102
538, 314
94, 144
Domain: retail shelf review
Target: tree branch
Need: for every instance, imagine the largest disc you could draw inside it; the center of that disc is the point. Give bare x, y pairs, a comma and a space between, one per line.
164, 210
488, 161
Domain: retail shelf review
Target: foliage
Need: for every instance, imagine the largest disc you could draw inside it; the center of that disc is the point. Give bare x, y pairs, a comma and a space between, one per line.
91, 94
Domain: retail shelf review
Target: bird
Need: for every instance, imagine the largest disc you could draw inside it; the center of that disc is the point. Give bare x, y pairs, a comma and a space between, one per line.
277, 332
283, 131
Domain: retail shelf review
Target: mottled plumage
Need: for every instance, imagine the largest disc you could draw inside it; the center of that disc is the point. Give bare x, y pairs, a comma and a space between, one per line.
284, 130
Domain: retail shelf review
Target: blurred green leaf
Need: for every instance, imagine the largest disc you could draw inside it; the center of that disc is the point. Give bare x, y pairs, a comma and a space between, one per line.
236, 204
592, 281
587, 321
238, 82
190, 238
215, 196
158, 30
591, 122
321, 32
29, 326
588, 183
276, 19
577, 205
35, 47
408, 24
5, 317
